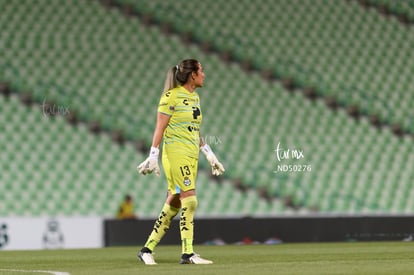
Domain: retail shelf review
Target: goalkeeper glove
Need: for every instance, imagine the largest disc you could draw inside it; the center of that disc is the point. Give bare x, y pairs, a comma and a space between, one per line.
151, 163
217, 168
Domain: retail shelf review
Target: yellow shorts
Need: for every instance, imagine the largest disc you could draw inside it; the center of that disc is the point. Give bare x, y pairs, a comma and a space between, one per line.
181, 172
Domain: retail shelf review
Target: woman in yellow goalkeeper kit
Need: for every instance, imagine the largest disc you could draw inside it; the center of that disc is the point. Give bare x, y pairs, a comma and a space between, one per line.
178, 126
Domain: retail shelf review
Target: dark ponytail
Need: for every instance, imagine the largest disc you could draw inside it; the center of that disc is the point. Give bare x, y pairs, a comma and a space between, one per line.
184, 70
179, 74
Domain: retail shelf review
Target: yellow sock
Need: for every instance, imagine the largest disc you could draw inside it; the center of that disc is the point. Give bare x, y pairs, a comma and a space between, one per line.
161, 226
188, 206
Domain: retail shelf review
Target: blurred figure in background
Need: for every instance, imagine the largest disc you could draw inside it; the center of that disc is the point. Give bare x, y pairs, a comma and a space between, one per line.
126, 209
53, 236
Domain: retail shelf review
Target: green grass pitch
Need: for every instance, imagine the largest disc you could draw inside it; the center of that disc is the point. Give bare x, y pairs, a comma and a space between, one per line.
309, 258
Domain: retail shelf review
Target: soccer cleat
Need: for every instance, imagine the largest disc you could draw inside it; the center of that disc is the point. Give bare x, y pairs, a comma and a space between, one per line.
194, 259
146, 258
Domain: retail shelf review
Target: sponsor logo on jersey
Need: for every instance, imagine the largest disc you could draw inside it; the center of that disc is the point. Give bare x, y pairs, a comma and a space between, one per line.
193, 128
186, 101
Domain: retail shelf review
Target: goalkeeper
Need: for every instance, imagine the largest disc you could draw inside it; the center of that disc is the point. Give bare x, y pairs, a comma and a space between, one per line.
178, 126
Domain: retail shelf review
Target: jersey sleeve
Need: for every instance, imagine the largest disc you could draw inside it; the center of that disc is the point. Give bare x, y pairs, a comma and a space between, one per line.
167, 103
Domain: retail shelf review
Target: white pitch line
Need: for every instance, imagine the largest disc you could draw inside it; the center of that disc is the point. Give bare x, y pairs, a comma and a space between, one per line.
36, 271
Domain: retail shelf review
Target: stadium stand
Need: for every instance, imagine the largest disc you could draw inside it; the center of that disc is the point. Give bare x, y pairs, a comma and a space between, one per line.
403, 10
50, 167
108, 68
338, 48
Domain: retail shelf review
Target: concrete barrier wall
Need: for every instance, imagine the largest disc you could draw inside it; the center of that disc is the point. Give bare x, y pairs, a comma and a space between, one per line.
287, 229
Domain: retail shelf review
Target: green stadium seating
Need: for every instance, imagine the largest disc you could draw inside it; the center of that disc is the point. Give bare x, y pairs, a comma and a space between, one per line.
108, 67
343, 50
52, 168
